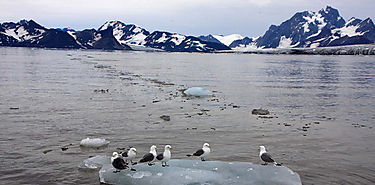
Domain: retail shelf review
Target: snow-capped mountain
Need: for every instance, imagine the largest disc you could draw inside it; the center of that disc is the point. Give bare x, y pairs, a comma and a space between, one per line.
31, 34
134, 35
306, 29
113, 35
126, 33
318, 29
92, 39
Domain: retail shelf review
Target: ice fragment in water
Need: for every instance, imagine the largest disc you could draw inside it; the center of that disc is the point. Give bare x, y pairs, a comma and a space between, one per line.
94, 143
198, 172
197, 91
95, 162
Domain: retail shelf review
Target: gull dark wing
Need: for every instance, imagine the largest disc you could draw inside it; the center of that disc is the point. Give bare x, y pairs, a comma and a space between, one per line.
266, 157
198, 152
146, 158
119, 163
160, 157
125, 153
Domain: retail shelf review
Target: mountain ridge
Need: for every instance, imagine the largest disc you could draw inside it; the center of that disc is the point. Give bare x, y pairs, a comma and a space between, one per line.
310, 29
305, 29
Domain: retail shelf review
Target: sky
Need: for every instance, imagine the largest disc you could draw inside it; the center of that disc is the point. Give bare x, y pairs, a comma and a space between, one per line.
189, 17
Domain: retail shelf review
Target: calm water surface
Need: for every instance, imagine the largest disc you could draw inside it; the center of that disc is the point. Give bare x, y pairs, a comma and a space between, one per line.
49, 99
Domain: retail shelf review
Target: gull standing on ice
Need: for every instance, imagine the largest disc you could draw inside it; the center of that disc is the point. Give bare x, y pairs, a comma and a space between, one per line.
266, 157
202, 153
165, 156
118, 163
150, 157
130, 155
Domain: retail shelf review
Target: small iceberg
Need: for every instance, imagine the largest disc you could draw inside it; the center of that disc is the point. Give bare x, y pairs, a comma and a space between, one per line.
197, 91
93, 143
95, 162
188, 172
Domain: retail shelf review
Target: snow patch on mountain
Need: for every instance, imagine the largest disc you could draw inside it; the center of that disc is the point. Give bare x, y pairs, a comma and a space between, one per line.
349, 31
126, 33
228, 39
21, 34
315, 18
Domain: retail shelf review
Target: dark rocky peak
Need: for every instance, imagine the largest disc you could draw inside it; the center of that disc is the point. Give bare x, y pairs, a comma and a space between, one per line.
245, 41
332, 17
353, 22
209, 38
112, 24
107, 32
366, 26
54, 38
31, 24
367, 22
9, 25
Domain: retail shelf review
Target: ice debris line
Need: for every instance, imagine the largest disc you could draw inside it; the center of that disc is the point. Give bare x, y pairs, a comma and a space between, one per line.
193, 172
93, 143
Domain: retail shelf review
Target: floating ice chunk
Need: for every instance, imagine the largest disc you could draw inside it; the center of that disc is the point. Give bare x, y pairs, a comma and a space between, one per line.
197, 91
94, 143
198, 172
95, 162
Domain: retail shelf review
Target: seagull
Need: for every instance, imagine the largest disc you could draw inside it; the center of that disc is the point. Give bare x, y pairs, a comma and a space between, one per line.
266, 157
130, 155
202, 153
118, 163
165, 156
150, 157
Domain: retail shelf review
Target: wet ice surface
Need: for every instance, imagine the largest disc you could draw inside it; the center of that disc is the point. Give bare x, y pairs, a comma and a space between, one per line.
193, 172
96, 162
321, 108
93, 142
197, 91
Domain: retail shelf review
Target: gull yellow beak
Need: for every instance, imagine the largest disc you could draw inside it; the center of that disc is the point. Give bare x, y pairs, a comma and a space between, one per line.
113, 155
258, 149
156, 150
171, 148
209, 146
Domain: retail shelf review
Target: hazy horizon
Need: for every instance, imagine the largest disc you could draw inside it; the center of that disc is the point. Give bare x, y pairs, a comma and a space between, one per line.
189, 17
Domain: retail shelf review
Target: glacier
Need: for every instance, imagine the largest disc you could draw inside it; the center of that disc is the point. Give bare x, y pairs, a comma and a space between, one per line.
189, 172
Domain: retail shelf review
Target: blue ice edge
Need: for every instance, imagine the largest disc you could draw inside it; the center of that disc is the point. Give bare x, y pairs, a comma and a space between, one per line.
193, 172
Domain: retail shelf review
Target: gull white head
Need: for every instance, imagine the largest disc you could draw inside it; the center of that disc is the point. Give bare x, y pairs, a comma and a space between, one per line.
206, 145
133, 150
168, 147
262, 149
114, 156
153, 148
